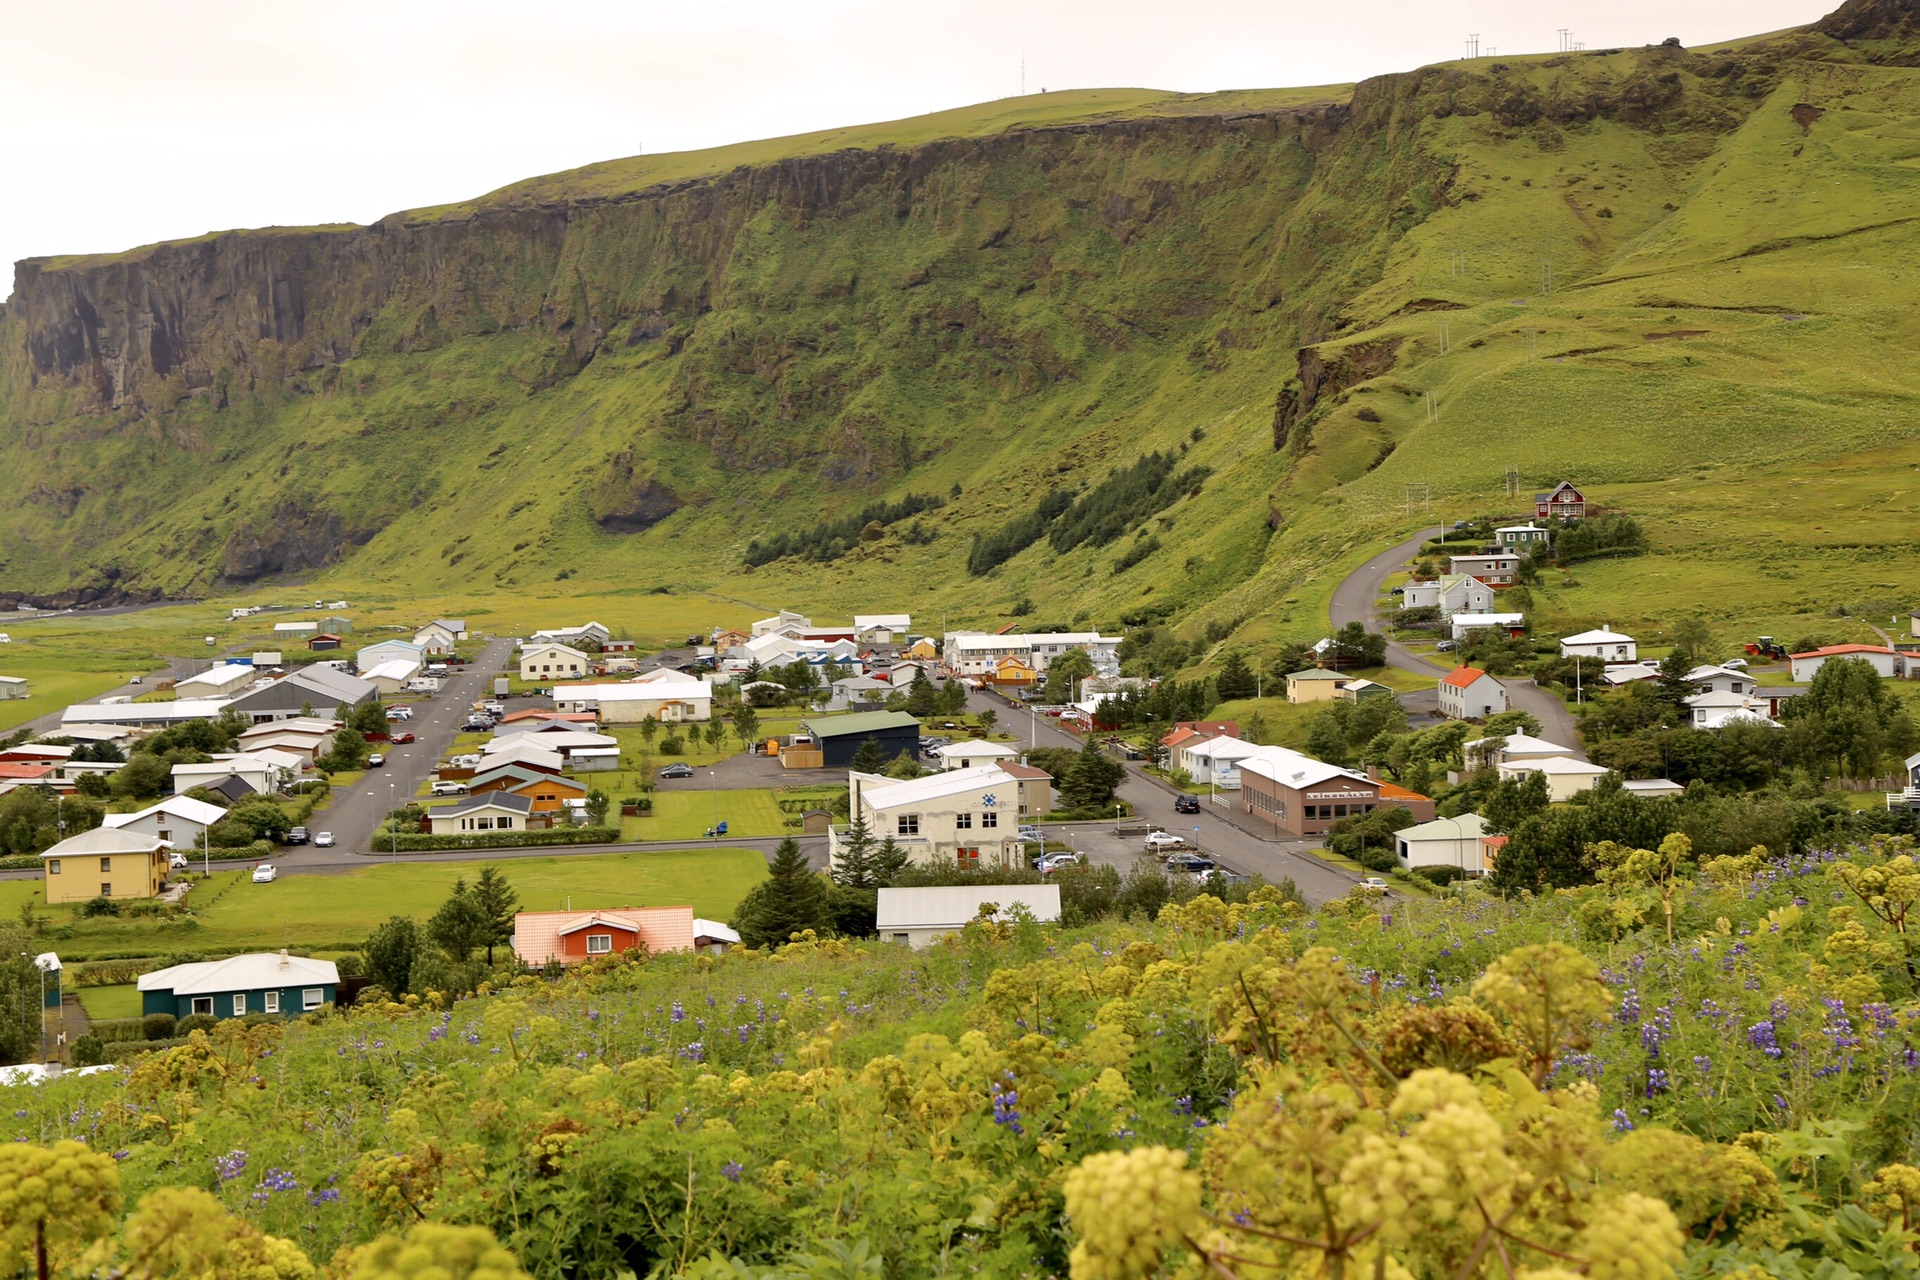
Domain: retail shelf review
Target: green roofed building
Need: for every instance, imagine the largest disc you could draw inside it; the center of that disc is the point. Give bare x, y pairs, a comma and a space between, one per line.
840, 736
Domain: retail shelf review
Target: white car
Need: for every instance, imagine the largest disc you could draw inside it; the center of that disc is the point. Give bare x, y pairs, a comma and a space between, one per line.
1374, 884
176, 860
324, 840
1163, 840
1735, 664
1054, 861
265, 873
375, 760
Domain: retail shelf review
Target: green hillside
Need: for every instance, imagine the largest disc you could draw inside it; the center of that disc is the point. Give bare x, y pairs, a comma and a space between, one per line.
1678, 278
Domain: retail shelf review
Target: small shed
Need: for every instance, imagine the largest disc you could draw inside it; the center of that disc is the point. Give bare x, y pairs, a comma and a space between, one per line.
816, 822
337, 625
12, 687
325, 640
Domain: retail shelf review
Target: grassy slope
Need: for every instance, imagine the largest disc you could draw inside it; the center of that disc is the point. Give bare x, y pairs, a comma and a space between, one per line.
1768, 446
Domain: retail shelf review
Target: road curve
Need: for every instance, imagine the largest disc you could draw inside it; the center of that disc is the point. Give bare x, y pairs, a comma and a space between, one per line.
1353, 601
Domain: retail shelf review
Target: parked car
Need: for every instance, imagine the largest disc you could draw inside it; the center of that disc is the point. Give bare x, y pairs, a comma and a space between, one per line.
1163, 840
1028, 829
297, 836
1735, 664
375, 760
477, 724
1444, 646
177, 860
401, 739
1186, 804
1190, 862
1374, 883
448, 789
681, 770
1054, 861
324, 840
136, 680
265, 873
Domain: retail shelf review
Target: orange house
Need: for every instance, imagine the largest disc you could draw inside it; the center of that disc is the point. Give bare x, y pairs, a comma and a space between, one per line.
1015, 673
568, 937
547, 793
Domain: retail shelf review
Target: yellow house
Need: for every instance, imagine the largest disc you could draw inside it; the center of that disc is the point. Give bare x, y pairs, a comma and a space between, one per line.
925, 650
1015, 671
1315, 684
106, 862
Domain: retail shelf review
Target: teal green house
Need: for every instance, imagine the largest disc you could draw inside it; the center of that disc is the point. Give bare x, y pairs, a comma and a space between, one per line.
266, 982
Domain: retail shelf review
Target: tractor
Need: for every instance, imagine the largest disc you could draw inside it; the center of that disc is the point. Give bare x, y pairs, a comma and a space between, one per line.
1766, 647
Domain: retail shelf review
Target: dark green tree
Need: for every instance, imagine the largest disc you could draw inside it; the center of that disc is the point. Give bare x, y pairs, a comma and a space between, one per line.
746, 725
1064, 675
1236, 679
855, 867
598, 803
497, 903
790, 900
869, 758
459, 927
390, 951
1089, 784
889, 860
922, 700
139, 778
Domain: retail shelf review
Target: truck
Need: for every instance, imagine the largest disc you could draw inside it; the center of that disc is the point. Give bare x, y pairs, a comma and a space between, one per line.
422, 684
500, 686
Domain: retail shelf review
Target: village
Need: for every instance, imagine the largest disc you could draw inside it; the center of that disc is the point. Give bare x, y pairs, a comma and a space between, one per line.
987, 769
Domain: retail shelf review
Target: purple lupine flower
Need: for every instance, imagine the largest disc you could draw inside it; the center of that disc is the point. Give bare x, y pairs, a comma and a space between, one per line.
326, 1195
230, 1166
1703, 1064
1629, 1010
679, 1013
694, 1052
731, 1170
1006, 1107
1621, 1124
1761, 1036
1656, 1082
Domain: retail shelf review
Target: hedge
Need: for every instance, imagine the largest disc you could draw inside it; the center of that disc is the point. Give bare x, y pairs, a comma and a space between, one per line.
20, 862
152, 1026
418, 843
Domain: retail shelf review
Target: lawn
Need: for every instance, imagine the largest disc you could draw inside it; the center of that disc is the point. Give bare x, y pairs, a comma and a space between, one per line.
686, 815
330, 912
111, 1002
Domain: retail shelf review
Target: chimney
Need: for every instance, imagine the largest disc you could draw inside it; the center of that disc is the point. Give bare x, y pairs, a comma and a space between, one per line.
284, 962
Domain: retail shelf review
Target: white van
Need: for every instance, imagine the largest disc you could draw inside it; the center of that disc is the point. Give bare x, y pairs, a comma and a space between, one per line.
448, 789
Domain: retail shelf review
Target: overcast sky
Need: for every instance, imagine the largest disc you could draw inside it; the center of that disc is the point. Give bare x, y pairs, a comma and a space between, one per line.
128, 121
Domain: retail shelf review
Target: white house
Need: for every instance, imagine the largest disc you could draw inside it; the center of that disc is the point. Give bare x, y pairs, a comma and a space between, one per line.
1720, 680
255, 769
881, 628
1497, 569
1714, 708
667, 701
1420, 595
1521, 538
1444, 842
547, 661
489, 811
439, 636
1497, 750
586, 633
785, 622
973, 753
391, 676
178, 821
964, 817
855, 691
216, 681
1890, 663
1566, 778
1468, 693
1217, 760
373, 655
307, 737
1652, 788
919, 917
975, 654
1606, 644
1465, 622
1463, 593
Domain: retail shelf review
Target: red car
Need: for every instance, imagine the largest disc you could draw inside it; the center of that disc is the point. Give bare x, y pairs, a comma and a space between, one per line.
400, 739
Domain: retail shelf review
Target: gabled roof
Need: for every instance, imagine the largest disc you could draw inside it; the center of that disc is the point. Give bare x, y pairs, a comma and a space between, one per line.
511, 801
1468, 826
937, 786
1605, 635
536, 934
1292, 769
183, 807
1710, 672
1841, 650
1463, 677
104, 840
24, 769
1557, 765
951, 906
1520, 744
1316, 673
1720, 698
714, 930
263, 971
1023, 772
975, 747
636, 691
396, 669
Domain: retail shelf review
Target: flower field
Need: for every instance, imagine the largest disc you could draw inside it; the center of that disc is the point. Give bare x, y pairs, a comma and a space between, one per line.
1460, 1086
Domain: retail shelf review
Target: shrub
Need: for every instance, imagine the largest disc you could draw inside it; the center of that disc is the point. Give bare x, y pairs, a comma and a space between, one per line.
672, 746
510, 839
195, 1022
1441, 875
160, 1026
88, 1051
100, 907
138, 1048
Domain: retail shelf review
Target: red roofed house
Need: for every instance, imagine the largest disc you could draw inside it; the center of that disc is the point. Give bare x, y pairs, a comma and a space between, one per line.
15, 774
1468, 693
1888, 662
1564, 503
568, 937
1202, 728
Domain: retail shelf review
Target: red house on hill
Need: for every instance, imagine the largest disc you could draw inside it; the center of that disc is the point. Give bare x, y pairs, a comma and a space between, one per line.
1564, 502
568, 937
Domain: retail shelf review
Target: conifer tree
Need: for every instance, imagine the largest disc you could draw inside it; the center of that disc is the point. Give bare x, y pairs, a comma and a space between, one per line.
855, 865
791, 899
869, 758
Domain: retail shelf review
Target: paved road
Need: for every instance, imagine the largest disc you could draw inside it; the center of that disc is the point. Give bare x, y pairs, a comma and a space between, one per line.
1233, 847
1353, 601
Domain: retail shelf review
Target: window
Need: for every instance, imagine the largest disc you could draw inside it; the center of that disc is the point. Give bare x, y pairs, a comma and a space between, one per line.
969, 859
106, 864
164, 834
901, 937
990, 819
270, 1002
106, 888
53, 866
240, 1005
504, 824
909, 824
964, 821
599, 944
203, 1005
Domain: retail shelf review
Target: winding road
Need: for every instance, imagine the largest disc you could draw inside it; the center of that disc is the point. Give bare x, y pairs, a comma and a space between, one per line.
1354, 601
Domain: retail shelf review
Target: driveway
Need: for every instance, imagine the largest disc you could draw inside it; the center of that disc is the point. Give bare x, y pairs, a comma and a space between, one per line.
1354, 601
1215, 830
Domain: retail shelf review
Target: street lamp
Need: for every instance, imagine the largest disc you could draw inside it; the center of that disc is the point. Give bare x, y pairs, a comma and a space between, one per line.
393, 821
713, 786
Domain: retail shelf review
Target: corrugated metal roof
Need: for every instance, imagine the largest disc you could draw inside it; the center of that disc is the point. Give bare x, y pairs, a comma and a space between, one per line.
951, 906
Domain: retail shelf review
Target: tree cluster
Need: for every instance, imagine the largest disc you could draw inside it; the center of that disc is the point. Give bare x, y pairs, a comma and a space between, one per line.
830, 539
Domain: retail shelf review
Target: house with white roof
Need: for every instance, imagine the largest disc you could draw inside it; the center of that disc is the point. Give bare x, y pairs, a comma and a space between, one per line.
1606, 644
396, 650
919, 917
1444, 842
881, 628
1512, 623
391, 676
971, 653
489, 811
220, 680
1716, 707
305, 737
973, 753
682, 701
1492, 752
141, 715
1566, 777
240, 985
439, 637
1216, 761
264, 773
1623, 673
177, 821
785, 622
587, 633
964, 817
1710, 679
